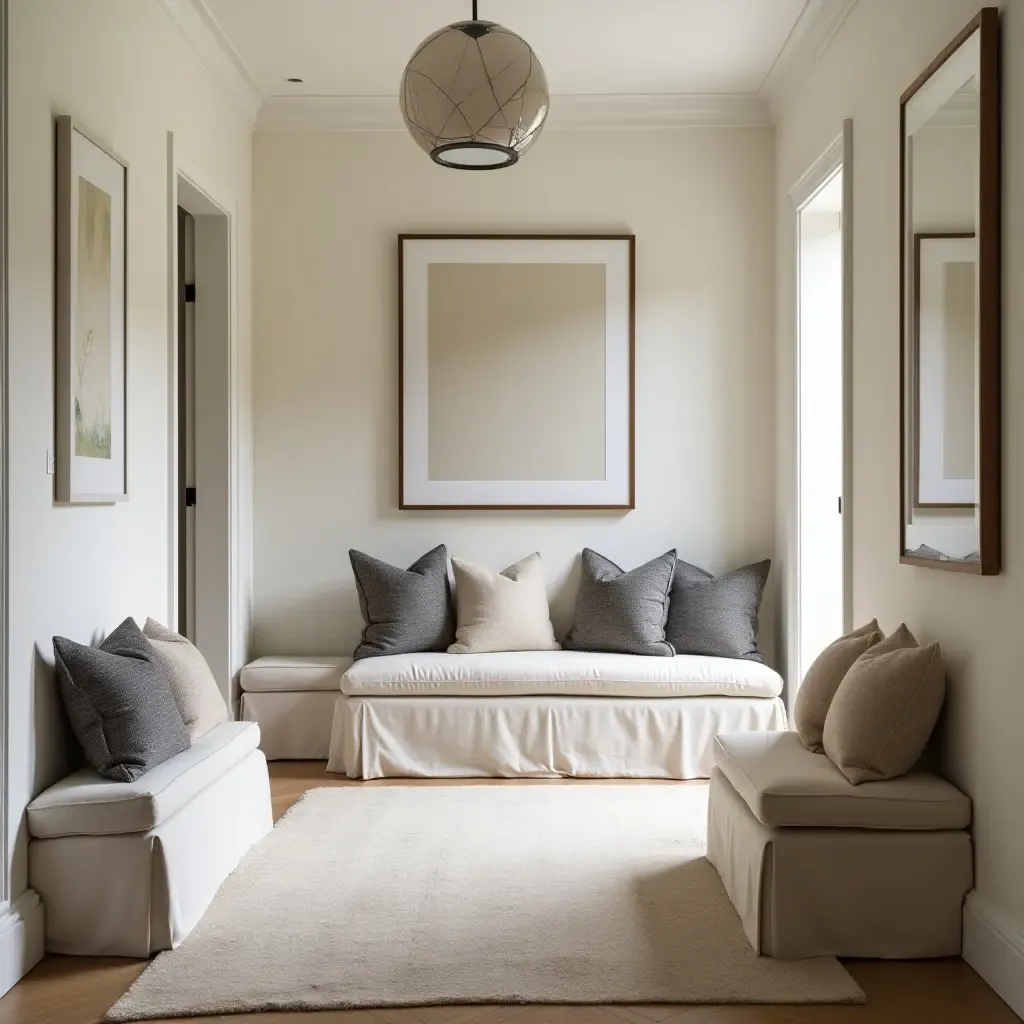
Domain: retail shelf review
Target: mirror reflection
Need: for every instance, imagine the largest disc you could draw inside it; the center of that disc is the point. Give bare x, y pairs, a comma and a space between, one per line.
941, 433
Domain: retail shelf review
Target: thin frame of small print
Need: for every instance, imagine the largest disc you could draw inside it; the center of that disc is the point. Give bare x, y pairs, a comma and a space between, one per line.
516, 371
91, 416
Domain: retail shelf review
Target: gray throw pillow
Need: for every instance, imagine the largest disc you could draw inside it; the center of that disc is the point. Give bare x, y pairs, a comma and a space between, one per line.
716, 615
405, 611
119, 701
622, 612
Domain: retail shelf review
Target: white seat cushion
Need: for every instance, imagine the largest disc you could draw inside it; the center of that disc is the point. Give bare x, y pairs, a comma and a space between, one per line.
785, 785
278, 674
87, 804
531, 673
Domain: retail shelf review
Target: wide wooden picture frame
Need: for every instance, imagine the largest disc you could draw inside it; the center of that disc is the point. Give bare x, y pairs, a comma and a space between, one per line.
516, 357
91, 414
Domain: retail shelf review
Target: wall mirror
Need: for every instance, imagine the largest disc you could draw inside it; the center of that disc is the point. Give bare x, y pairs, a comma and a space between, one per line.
950, 303
517, 371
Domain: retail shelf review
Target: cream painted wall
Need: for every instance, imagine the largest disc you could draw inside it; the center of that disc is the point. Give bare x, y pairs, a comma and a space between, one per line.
328, 210
123, 69
877, 53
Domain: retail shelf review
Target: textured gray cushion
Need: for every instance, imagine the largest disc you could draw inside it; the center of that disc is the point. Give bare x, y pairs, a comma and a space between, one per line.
119, 701
405, 610
716, 615
622, 612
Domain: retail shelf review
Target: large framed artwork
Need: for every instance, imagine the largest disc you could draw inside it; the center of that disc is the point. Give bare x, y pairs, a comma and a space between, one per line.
516, 371
91, 343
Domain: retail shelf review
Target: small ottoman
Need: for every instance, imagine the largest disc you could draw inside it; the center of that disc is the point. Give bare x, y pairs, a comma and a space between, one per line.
816, 866
293, 700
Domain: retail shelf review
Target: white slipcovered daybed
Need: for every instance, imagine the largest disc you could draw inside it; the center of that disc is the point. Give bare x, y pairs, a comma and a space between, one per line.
535, 713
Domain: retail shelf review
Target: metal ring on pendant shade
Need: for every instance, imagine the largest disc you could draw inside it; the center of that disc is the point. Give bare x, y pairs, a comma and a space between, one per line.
474, 96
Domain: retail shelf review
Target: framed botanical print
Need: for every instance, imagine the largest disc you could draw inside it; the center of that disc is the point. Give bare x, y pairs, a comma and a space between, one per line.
91, 320
516, 362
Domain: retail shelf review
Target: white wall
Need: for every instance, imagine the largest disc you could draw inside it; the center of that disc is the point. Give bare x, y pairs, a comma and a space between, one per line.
328, 210
878, 52
124, 70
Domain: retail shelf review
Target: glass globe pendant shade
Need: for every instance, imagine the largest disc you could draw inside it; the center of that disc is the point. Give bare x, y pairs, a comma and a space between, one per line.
474, 96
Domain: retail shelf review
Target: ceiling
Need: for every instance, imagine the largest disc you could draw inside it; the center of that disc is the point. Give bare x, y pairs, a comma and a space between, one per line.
358, 48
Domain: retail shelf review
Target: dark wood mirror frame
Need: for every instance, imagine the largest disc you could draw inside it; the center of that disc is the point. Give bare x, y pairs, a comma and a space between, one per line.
988, 296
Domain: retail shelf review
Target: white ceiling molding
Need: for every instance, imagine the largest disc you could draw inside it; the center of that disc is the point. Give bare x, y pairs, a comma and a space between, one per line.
218, 57
814, 30
381, 113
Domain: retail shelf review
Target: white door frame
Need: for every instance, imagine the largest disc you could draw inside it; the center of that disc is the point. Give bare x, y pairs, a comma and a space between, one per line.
839, 154
191, 188
5, 717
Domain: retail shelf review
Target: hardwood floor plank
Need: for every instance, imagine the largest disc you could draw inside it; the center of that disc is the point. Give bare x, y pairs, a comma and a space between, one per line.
79, 990
656, 1012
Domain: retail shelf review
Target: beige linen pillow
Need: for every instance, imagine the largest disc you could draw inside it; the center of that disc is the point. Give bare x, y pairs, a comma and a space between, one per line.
505, 611
195, 690
822, 680
885, 709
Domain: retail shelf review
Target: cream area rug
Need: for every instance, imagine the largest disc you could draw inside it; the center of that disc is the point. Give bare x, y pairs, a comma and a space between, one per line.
413, 896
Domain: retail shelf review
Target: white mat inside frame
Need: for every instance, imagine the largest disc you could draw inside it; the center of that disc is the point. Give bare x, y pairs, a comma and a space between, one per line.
415, 896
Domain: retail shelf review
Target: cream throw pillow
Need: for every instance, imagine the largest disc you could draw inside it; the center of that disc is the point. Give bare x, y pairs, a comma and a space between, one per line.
885, 709
822, 680
195, 690
505, 611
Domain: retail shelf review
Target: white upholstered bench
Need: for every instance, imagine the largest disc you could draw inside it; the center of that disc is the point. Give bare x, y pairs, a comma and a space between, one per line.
293, 700
546, 714
128, 868
529, 713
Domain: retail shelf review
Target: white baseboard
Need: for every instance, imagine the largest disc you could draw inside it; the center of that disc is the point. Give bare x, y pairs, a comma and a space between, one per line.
21, 938
994, 947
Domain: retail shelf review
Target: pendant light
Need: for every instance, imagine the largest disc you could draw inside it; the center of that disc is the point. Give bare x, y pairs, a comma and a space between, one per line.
474, 96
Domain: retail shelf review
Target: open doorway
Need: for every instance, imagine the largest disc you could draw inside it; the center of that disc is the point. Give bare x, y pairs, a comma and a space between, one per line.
823, 325
201, 469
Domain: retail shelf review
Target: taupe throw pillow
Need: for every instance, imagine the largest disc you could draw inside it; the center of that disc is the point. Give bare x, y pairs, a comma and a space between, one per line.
506, 611
405, 610
195, 690
120, 704
622, 612
885, 709
822, 679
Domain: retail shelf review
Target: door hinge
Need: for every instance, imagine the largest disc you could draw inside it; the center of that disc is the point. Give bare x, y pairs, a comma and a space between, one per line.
190, 497
840, 504
190, 293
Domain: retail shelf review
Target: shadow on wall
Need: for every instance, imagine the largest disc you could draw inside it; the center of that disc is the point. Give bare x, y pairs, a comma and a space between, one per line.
57, 751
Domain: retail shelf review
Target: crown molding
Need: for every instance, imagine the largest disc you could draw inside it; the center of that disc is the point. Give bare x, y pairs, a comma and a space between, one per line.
814, 30
219, 58
381, 113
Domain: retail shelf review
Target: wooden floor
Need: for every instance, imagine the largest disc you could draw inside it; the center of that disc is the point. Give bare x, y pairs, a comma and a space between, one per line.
76, 990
